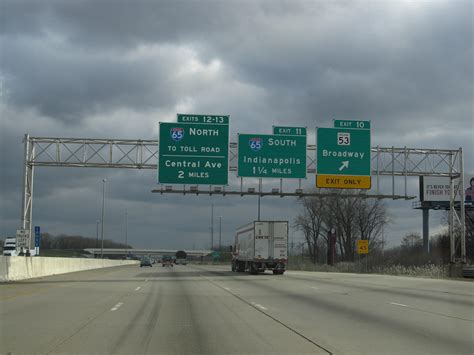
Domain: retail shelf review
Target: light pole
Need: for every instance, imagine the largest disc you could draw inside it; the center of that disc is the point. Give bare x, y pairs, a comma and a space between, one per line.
103, 220
212, 226
220, 231
383, 240
97, 234
259, 195
258, 214
126, 235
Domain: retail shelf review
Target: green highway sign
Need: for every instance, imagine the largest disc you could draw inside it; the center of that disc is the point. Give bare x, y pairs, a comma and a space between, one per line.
352, 124
291, 131
194, 153
343, 158
208, 119
271, 156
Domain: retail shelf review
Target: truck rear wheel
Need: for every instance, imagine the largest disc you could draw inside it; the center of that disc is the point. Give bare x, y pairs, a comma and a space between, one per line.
253, 269
278, 272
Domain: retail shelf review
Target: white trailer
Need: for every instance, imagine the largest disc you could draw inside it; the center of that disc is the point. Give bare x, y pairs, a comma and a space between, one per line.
260, 246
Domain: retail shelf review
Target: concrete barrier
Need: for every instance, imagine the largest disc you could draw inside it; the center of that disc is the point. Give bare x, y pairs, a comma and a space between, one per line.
20, 268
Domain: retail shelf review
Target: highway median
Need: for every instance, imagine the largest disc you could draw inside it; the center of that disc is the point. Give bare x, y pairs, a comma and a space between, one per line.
20, 268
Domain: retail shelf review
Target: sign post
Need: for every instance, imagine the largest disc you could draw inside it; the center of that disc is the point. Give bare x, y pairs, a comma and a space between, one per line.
363, 248
37, 239
195, 150
343, 158
272, 156
331, 236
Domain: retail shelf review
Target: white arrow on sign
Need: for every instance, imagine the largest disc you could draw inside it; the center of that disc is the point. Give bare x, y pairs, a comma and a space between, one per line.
345, 164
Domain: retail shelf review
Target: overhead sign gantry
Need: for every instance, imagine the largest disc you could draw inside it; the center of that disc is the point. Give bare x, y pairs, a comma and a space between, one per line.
195, 150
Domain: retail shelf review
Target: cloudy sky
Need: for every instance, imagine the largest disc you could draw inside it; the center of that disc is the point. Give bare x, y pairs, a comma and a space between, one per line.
114, 69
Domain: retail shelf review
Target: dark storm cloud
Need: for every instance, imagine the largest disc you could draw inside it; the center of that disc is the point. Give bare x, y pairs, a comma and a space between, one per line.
320, 60
62, 82
122, 24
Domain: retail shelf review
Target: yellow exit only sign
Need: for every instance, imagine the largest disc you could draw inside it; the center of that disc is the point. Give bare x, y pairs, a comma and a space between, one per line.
362, 247
343, 181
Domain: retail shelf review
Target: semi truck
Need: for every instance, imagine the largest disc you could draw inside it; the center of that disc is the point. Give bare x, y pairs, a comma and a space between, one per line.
9, 247
260, 246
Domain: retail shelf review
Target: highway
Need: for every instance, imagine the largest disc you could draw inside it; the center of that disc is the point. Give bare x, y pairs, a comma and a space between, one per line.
205, 309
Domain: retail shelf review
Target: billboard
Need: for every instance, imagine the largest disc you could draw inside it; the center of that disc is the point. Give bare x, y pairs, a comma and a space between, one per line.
469, 194
436, 189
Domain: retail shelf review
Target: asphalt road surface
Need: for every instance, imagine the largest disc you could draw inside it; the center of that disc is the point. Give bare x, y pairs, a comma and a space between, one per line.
198, 309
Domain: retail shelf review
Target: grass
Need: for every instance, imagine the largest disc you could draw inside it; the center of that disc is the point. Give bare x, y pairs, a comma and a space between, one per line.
428, 270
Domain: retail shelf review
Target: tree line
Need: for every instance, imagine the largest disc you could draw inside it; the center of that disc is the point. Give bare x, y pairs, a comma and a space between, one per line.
359, 218
63, 241
351, 217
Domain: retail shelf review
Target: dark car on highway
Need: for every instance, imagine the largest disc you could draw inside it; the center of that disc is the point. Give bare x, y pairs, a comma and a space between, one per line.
166, 261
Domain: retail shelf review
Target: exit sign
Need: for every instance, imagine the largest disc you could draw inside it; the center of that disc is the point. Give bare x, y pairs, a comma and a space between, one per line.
194, 150
343, 158
352, 124
290, 131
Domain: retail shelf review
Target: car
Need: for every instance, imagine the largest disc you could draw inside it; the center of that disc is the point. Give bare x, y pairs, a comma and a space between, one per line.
181, 262
166, 261
145, 262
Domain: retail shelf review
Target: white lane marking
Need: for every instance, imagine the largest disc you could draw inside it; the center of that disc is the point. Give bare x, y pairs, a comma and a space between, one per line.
226, 288
315, 288
117, 306
259, 306
398, 304
138, 288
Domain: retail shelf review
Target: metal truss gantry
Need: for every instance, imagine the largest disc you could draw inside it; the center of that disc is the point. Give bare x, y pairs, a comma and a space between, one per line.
397, 163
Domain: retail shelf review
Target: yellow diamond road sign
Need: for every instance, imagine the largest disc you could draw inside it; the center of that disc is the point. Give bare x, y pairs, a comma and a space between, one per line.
362, 247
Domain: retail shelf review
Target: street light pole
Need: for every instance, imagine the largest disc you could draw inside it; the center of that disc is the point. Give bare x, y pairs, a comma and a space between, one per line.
258, 214
126, 235
103, 219
97, 234
220, 231
212, 226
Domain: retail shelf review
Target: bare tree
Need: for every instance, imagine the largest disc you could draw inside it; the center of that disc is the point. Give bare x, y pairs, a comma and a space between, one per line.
412, 242
310, 222
352, 217
343, 216
371, 219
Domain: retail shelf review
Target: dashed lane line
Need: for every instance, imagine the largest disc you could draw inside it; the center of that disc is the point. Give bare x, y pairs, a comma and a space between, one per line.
117, 306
